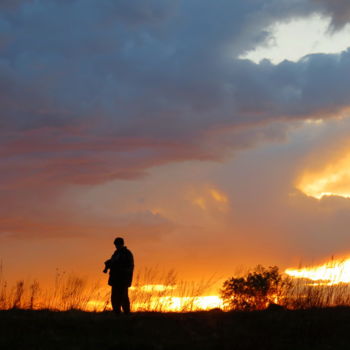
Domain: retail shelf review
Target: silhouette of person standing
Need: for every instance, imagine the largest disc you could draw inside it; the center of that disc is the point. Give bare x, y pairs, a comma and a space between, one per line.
121, 268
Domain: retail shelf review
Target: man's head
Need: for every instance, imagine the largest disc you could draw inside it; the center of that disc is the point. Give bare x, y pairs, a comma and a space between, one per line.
119, 242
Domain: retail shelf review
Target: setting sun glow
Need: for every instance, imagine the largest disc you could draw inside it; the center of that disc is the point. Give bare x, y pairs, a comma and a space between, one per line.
166, 304
332, 272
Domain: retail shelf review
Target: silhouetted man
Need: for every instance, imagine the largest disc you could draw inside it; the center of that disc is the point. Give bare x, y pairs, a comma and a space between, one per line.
121, 268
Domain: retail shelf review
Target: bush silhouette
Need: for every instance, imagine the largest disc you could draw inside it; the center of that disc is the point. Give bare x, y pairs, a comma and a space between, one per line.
255, 291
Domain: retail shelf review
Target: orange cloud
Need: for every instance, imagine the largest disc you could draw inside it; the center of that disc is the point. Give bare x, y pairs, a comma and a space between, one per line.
210, 197
331, 180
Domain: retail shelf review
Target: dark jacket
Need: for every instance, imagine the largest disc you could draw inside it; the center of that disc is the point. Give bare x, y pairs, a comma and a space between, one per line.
121, 268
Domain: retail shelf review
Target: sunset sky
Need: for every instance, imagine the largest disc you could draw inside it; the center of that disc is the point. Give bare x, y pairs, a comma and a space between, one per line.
210, 134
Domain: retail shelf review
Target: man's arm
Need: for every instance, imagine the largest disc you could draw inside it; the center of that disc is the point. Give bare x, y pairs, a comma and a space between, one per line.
129, 268
130, 261
107, 265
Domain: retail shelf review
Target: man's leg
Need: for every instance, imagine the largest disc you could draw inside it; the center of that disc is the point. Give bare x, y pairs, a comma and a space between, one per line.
125, 302
116, 299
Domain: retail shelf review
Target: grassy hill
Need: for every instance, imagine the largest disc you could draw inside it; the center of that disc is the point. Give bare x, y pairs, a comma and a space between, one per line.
280, 329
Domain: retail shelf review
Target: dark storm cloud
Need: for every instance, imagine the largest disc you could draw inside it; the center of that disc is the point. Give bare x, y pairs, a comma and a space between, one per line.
339, 10
92, 91
12, 4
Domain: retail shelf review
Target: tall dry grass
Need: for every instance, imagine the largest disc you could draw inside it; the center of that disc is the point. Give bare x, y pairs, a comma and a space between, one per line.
152, 290
67, 292
304, 294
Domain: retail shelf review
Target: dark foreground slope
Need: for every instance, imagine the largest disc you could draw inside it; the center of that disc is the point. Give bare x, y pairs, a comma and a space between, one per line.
303, 329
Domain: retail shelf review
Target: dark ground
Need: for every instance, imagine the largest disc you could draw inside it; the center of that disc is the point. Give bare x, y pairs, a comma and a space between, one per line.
303, 329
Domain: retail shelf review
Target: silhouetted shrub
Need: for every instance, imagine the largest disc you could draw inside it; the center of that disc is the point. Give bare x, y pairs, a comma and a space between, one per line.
256, 290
